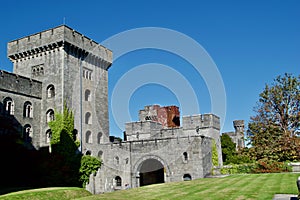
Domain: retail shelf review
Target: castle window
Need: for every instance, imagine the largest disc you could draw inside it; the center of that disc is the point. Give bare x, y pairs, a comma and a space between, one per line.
117, 160
99, 137
27, 133
48, 136
88, 153
100, 154
88, 118
49, 115
50, 91
88, 137
118, 181
187, 177
87, 95
28, 110
9, 106
127, 161
87, 74
185, 156
37, 70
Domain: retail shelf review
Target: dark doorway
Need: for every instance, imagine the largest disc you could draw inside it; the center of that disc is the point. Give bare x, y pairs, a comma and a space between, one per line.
151, 172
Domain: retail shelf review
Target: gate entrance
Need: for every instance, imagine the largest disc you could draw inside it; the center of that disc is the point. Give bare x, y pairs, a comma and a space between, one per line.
151, 172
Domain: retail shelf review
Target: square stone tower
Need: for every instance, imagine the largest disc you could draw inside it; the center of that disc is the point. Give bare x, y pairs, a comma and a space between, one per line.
73, 70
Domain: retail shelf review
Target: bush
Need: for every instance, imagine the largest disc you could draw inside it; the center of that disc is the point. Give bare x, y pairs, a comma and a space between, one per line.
238, 159
238, 169
89, 165
270, 166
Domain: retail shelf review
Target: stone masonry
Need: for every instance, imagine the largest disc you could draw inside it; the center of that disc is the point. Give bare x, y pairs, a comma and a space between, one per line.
59, 66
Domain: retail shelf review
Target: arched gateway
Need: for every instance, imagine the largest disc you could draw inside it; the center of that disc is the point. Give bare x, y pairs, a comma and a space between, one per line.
150, 170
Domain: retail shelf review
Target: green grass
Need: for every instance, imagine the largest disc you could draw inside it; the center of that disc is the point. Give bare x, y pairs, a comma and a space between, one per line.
248, 186
47, 194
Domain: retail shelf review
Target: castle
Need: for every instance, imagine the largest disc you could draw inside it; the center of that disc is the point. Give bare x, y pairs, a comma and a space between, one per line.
59, 66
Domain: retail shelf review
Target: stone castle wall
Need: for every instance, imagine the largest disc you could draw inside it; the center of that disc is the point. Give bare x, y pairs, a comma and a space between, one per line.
20, 90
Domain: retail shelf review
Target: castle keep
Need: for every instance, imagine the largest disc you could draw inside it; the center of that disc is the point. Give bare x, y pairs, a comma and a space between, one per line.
59, 66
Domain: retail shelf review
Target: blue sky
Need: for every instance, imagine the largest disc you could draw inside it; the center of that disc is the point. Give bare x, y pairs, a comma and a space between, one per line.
251, 42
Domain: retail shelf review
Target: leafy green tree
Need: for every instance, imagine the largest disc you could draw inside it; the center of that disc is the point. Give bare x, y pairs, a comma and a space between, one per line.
89, 165
228, 148
63, 140
64, 147
274, 129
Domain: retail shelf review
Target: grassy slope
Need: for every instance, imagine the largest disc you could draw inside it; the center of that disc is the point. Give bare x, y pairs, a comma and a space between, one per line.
254, 186
47, 194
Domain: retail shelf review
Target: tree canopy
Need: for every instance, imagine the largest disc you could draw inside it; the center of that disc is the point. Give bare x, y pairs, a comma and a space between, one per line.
274, 130
228, 148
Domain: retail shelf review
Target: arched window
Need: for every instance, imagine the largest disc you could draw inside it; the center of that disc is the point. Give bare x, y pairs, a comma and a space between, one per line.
49, 115
50, 91
87, 95
88, 137
117, 160
185, 156
187, 177
99, 137
27, 133
90, 76
118, 181
86, 74
48, 136
88, 118
9, 106
88, 153
100, 154
28, 110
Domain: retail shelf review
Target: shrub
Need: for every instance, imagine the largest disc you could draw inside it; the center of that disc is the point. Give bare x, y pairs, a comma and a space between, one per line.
89, 165
215, 160
238, 169
270, 166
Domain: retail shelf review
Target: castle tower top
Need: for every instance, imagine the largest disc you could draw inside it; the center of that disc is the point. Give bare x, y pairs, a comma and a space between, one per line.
239, 125
49, 39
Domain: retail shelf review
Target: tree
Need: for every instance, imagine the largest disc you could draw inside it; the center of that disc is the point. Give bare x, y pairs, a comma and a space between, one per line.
64, 147
63, 140
228, 148
89, 165
274, 129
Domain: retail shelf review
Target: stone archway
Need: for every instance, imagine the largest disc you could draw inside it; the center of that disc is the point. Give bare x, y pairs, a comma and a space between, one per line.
151, 172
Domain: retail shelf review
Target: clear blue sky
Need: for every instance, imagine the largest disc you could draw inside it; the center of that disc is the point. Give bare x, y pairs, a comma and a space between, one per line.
251, 42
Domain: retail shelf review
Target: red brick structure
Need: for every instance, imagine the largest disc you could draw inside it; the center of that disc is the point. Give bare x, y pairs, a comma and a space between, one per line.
168, 116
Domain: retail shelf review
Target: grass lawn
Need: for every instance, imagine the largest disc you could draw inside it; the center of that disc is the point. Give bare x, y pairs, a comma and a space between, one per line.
47, 194
248, 186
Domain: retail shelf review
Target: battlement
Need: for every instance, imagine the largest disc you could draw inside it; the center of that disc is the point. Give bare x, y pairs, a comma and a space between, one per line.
10, 82
201, 121
53, 38
141, 130
238, 123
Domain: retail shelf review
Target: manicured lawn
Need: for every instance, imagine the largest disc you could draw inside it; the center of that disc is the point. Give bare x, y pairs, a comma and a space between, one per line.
47, 193
252, 186
248, 186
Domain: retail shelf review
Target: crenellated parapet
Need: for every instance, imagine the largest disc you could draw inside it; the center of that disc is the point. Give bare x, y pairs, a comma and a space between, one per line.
141, 130
49, 41
201, 121
239, 125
